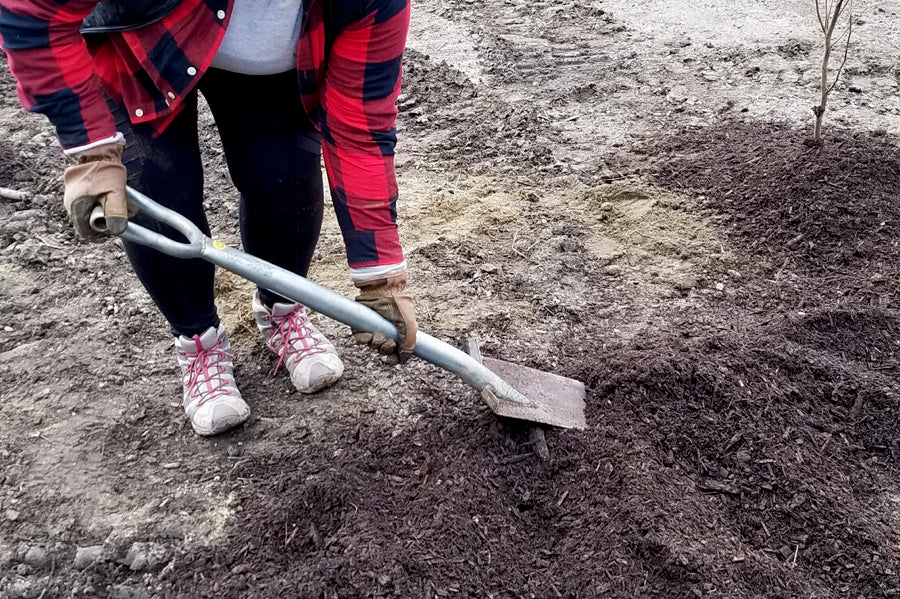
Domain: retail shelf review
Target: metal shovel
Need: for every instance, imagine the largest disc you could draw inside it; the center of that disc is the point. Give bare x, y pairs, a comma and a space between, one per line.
551, 399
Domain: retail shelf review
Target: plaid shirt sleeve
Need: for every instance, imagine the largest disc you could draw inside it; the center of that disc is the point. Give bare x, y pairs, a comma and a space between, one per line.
53, 67
357, 114
150, 69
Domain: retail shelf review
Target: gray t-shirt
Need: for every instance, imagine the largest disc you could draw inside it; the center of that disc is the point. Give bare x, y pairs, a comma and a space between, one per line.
261, 38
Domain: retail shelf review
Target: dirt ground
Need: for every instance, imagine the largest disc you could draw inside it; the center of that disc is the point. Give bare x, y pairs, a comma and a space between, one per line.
615, 191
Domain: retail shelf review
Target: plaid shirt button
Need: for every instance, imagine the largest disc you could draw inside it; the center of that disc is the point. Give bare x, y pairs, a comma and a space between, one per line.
220, 15
171, 95
191, 71
138, 113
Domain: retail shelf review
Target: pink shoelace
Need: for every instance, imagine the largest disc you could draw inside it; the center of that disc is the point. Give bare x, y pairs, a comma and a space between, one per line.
204, 368
293, 332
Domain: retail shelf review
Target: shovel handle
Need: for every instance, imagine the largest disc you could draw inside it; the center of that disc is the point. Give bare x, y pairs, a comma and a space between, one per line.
302, 290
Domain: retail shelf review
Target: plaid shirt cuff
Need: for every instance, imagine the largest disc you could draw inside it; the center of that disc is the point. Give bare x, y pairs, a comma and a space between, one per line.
118, 138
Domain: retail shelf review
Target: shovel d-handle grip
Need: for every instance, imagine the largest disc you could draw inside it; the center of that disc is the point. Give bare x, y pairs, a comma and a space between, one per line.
302, 290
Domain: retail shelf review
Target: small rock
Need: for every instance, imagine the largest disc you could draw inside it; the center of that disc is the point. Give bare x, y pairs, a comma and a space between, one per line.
88, 556
145, 556
734, 274
613, 270
720, 286
12, 515
36, 557
606, 206
489, 268
171, 465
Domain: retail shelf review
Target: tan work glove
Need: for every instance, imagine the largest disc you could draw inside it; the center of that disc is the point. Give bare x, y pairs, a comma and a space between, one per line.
386, 296
97, 179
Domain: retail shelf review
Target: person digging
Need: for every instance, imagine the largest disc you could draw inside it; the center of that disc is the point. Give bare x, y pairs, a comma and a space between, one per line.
288, 82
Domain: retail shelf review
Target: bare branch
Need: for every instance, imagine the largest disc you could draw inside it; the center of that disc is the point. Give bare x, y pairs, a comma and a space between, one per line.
846, 51
835, 16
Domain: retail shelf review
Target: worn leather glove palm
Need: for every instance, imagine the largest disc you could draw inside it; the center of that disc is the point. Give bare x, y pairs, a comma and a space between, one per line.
98, 178
386, 296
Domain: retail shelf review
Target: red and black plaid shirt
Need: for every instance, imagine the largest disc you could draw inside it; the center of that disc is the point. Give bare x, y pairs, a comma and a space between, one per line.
351, 95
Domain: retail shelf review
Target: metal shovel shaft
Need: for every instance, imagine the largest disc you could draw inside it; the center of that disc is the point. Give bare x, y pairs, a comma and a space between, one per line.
304, 291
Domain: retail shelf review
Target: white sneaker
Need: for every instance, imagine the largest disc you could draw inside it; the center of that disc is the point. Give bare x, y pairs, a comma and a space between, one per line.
211, 399
309, 356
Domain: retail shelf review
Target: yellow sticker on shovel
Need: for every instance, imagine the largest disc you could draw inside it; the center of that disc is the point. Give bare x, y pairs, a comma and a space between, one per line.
218, 244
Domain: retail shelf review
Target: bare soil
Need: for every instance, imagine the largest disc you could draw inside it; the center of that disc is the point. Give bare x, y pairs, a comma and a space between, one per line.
620, 192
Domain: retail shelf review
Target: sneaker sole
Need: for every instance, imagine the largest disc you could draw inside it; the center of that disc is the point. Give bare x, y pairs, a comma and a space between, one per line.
223, 425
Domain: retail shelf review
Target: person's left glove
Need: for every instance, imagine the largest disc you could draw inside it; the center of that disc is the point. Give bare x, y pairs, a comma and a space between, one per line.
387, 296
98, 178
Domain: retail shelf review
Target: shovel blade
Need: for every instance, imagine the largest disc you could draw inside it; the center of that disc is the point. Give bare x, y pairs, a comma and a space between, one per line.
556, 400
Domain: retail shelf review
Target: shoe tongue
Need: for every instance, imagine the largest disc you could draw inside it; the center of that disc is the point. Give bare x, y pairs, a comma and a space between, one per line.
281, 309
208, 339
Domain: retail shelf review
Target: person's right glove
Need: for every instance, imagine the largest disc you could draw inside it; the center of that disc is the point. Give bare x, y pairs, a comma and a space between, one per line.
98, 178
386, 296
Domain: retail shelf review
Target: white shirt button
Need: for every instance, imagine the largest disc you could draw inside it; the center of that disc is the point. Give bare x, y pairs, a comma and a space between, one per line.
221, 14
191, 71
138, 113
171, 95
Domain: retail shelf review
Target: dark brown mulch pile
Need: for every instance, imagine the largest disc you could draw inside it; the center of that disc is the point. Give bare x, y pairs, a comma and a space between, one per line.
486, 520
795, 429
833, 209
721, 466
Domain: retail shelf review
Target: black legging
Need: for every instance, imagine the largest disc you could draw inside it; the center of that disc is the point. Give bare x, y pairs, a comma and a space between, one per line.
273, 155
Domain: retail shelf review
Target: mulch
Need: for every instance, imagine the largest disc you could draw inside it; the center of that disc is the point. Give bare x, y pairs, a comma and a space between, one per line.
726, 457
831, 210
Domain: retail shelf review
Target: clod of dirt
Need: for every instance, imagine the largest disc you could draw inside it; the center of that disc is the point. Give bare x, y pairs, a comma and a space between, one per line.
146, 556
36, 557
88, 556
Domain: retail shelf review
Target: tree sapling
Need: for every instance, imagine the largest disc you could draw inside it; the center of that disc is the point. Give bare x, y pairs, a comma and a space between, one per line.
830, 14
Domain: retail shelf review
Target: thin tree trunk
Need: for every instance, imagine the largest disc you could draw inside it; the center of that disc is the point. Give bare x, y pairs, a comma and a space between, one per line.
820, 109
